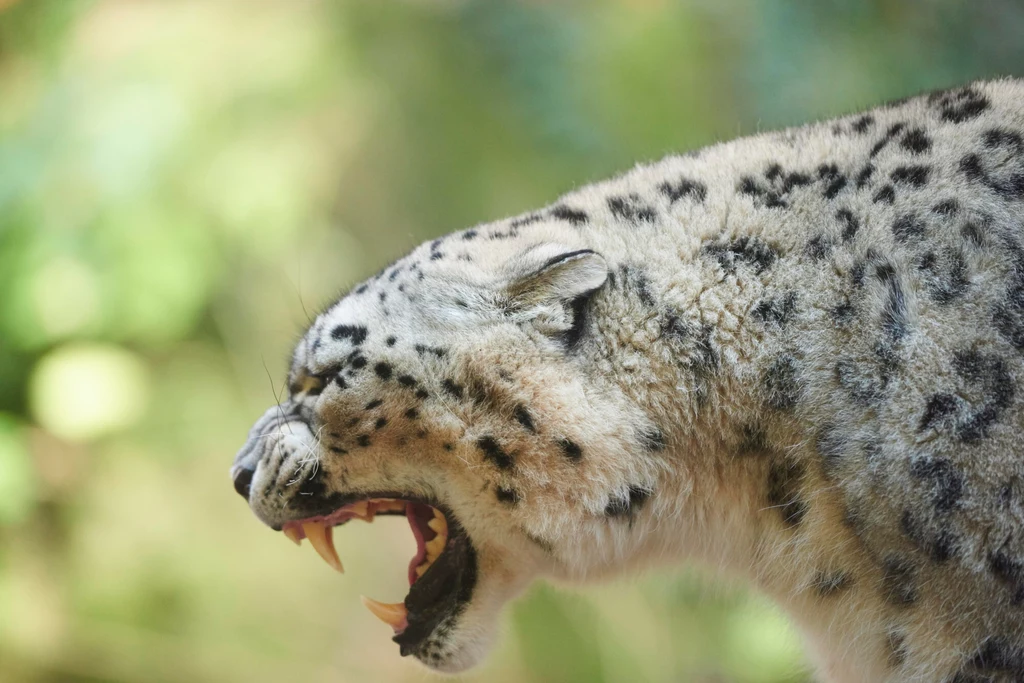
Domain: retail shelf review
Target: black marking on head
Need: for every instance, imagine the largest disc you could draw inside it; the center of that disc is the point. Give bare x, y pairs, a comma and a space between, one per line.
785, 480
407, 381
684, 187
995, 656
916, 142
751, 251
959, 105
528, 219
754, 442
862, 124
1009, 571
849, 222
380, 423
830, 584
864, 176
896, 643
914, 176
361, 289
390, 341
863, 385
374, 404
1002, 167
336, 450
899, 586
412, 413
818, 247
354, 333
337, 379
623, 507
938, 408
507, 496
436, 351
358, 363
776, 311
842, 313
945, 482
495, 453
571, 450
524, 418
945, 275
383, 296
933, 539
991, 374
835, 181
452, 389
886, 195
383, 370
564, 213
781, 382
652, 440
635, 279
363, 440
631, 208
893, 131
422, 394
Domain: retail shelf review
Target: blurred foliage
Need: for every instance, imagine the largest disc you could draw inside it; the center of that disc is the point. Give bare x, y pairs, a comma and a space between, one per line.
183, 183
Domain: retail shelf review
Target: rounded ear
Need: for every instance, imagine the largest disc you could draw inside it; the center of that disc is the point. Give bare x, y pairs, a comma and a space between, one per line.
551, 284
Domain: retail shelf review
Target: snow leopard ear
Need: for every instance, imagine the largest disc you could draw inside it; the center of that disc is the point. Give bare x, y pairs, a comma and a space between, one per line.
551, 285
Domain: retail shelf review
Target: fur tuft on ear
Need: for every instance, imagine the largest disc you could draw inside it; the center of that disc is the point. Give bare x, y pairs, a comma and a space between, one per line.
551, 284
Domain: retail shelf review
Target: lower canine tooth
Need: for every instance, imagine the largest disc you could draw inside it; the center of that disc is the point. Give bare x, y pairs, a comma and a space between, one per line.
293, 534
394, 615
322, 539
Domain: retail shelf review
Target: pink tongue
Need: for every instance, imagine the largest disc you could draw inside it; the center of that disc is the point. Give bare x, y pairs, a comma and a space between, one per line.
418, 516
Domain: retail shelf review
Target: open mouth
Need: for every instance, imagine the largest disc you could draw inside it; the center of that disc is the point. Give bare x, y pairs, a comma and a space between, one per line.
442, 573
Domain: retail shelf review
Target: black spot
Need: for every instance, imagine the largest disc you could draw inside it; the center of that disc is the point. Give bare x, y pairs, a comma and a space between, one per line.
916, 142
407, 380
622, 507
363, 440
776, 311
990, 373
422, 394
785, 480
436, 255
849, 222
564, 213
507, 496
358, 363
390, 341
1009, 571
631, 208
494, 452
1002, 168
862, 124
835, 181
380, 423
528, 219
452, 389
653, 440
383, 370
436, 351
383, 296
524, 418
684, 187
896, 643
893, 131
781, 381
829, 584
894, 314
469, 234
361, 289
865, 175
354, 333
957, 106
818, 247
915, 176
936, 543
751, 251
938, 408
842, 313
864, 387
571, 450
899, 581
753, 441
946, 208
412, 413
944, 480
946, 276
374, 404
886, 195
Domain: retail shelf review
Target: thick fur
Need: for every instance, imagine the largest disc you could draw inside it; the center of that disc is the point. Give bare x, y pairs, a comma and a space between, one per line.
796, 357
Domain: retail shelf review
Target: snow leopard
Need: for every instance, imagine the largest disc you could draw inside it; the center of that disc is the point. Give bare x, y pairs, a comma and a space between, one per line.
794, 358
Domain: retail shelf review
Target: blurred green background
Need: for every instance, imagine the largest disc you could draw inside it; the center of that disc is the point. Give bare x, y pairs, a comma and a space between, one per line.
182, 183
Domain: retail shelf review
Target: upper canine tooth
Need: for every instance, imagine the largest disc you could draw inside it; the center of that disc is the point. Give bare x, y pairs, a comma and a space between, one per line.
434, 547
394, 615
293, 534
439, 525
321, 537
359, 508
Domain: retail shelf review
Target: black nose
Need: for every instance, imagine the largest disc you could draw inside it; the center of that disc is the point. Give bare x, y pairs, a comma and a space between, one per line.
243, 479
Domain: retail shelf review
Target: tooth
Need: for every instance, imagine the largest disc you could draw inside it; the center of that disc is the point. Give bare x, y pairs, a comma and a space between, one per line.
439, 525
422, 569
293, 534
322, 539
434, 547
394, 615
359, 508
